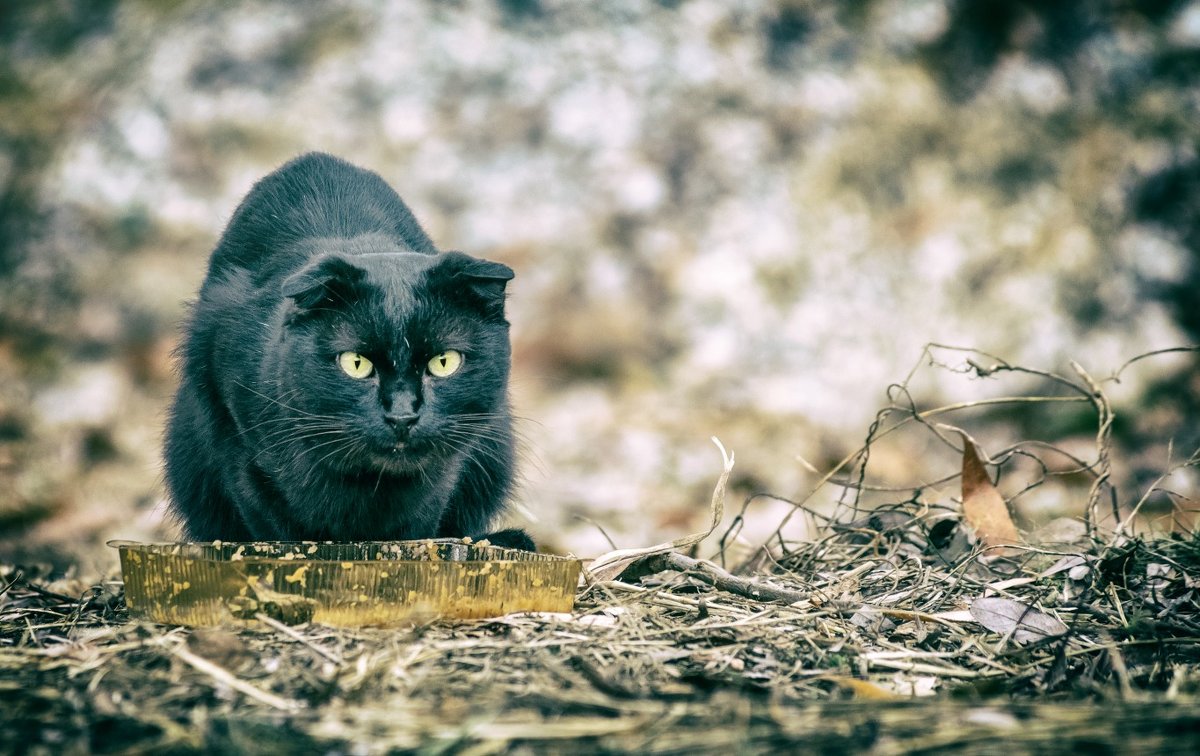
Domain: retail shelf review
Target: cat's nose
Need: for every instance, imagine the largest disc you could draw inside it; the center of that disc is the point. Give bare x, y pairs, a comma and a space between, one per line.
401, 422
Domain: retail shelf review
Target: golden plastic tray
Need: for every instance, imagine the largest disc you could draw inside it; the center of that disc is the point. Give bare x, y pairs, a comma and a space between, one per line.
334, 583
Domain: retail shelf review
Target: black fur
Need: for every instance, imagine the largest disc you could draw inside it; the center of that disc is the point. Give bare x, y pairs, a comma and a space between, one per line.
269, 439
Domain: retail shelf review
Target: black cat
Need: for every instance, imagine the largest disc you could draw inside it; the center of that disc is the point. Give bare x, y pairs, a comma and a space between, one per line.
340, 378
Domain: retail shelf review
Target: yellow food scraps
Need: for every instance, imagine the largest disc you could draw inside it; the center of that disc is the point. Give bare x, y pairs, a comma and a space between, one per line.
300, 575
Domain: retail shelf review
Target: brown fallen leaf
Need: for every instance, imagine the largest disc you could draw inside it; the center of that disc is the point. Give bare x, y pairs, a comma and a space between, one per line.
1026, 624
984, 508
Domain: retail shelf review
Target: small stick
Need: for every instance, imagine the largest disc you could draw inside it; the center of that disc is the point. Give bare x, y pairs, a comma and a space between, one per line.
1117, 661
223, 675
930, 669
719, 578
297, 636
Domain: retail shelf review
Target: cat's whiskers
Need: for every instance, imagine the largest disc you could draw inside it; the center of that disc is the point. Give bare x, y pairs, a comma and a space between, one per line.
348, 446
273, 400
353, 448
286, 395
260, 420
303, 429
424, 477
378, 481
288, 437
470, 441
480, 455
293, 444
519, 440
295, 431
475, 433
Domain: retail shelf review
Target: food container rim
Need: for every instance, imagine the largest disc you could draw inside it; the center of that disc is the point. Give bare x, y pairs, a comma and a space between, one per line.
164, 547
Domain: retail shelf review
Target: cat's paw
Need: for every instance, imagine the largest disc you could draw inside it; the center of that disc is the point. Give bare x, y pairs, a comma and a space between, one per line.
513, 538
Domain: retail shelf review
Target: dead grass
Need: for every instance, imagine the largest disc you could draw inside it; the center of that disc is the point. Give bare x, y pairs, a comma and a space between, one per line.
889, 631
671, 662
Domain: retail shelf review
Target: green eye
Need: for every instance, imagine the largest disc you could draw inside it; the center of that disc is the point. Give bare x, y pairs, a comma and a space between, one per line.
445, 364
355, 365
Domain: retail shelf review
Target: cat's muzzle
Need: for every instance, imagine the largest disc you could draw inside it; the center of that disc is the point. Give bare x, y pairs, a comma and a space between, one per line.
401, 425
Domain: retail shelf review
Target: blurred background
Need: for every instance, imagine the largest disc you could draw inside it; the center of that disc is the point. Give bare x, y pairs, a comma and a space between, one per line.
740, 219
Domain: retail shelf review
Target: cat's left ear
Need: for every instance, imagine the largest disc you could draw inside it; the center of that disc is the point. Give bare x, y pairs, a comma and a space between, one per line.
480, 280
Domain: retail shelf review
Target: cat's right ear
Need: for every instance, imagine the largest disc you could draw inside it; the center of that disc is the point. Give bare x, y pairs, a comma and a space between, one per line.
325, 281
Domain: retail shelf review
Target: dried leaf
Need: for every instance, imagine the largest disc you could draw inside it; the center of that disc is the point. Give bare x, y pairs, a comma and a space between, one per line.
1079, 572
1068, 562
1026, 624
1004, 585
983, 506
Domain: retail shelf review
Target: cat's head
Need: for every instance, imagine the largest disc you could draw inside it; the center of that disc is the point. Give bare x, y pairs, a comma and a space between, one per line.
390, 359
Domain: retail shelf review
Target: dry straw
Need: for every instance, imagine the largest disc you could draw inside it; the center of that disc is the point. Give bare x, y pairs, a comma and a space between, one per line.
890, 630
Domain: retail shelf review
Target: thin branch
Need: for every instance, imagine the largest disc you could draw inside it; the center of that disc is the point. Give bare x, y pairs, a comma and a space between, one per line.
224, 676
713, 575
1116, 376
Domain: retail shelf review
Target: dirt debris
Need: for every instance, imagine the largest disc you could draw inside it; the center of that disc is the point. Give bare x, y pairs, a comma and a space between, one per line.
894, 648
